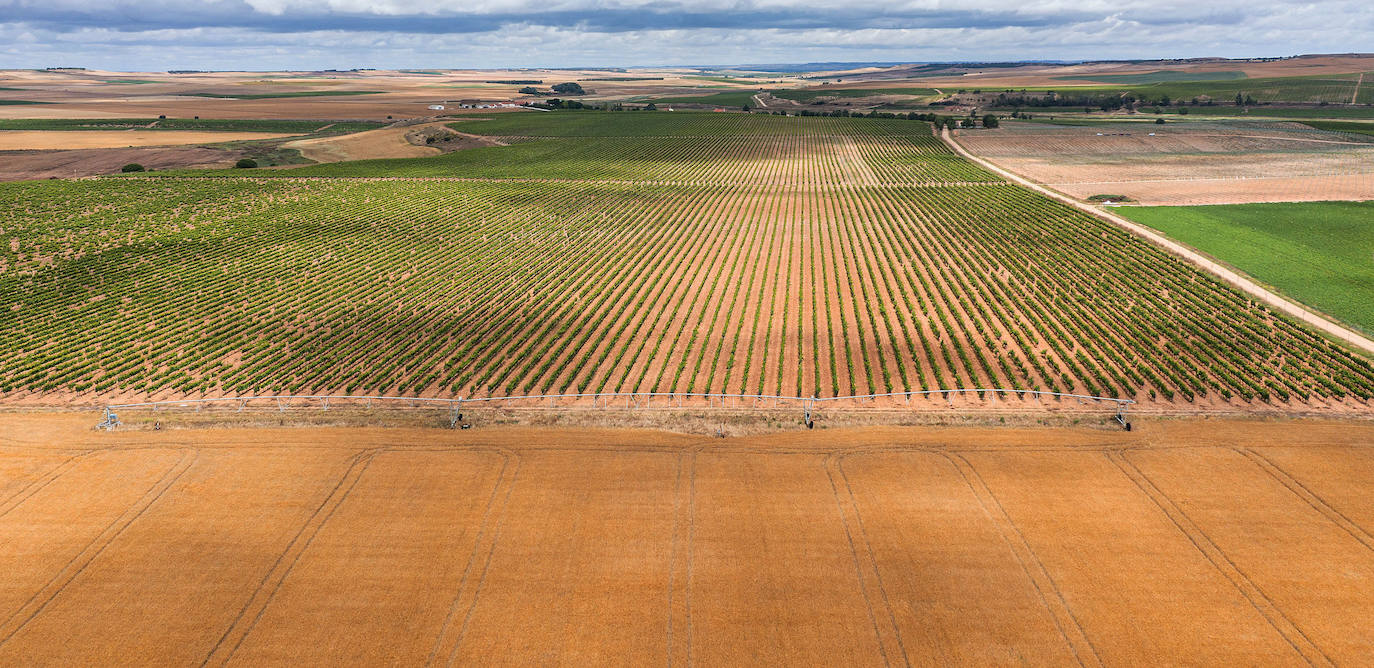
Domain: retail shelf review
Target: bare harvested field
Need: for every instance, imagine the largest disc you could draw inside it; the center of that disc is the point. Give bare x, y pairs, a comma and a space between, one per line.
25, 165
1186, 163
383, 143
1184, 541
27, 140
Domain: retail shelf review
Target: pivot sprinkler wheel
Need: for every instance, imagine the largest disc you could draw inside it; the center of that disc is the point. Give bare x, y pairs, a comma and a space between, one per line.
1121, 417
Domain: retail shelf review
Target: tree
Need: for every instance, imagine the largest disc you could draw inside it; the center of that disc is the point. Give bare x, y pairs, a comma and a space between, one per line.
990, 121
569, 88
968, 123
131, 167
745, 107
1159, 121
651, 107
246, 163
1240, 99
530, 90
1183, 110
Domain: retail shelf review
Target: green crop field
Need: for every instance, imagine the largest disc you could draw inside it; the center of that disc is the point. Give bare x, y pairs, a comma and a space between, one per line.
1319, 253
1335, 89
626, 252
1266, 111
733, 98
809, 94
1350, 127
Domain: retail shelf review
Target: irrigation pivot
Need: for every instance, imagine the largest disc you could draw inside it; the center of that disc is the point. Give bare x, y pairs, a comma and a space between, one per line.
600, 399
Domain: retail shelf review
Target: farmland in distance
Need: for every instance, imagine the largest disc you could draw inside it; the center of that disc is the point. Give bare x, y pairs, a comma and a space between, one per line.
625, 252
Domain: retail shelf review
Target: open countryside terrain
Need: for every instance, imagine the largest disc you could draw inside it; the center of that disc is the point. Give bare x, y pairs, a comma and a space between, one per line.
1319, 253
578, 251
629, 252
1184, 542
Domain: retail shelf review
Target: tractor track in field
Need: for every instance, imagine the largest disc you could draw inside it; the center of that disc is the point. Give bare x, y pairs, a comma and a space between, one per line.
41, 599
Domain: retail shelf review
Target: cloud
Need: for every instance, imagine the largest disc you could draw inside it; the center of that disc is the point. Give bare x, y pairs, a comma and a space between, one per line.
271, 34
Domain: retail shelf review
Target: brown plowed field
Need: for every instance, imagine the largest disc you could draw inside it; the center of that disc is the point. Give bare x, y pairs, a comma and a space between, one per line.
1184, 541
1185, 163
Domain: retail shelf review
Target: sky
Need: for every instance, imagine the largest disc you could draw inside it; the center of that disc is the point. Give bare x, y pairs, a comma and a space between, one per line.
155, 35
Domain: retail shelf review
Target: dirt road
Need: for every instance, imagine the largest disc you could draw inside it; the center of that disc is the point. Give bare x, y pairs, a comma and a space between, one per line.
1213, 267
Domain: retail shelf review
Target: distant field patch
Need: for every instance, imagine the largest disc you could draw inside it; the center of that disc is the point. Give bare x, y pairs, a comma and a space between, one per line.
1274, 112
10, 103
1318, 253
1343, 126
1332, 89
1156, 77
298, 93
28, 140
208, 124
809, 94
734, 98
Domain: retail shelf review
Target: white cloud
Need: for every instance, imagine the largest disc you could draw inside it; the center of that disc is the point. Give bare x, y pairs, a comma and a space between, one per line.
278, 34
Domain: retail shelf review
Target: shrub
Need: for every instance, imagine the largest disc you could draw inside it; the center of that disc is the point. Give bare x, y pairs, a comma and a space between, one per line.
246, 163
131, 167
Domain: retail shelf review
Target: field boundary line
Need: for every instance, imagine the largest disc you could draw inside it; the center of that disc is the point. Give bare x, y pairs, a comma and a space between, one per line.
487, 538
36, 485
49, 592
233, 637
885, 629
1271, 612
1310, 497
1050, 596
1229, 276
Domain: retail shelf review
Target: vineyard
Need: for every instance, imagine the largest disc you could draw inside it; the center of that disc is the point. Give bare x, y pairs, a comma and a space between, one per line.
630, 253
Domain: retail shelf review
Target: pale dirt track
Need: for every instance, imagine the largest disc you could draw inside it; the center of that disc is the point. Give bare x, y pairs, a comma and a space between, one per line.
26, 140
1200, 542
1209, 265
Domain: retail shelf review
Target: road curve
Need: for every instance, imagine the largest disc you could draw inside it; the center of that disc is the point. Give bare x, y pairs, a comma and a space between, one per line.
1213, 267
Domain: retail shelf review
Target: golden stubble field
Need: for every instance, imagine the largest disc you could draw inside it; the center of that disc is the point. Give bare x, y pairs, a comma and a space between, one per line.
1184, 541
